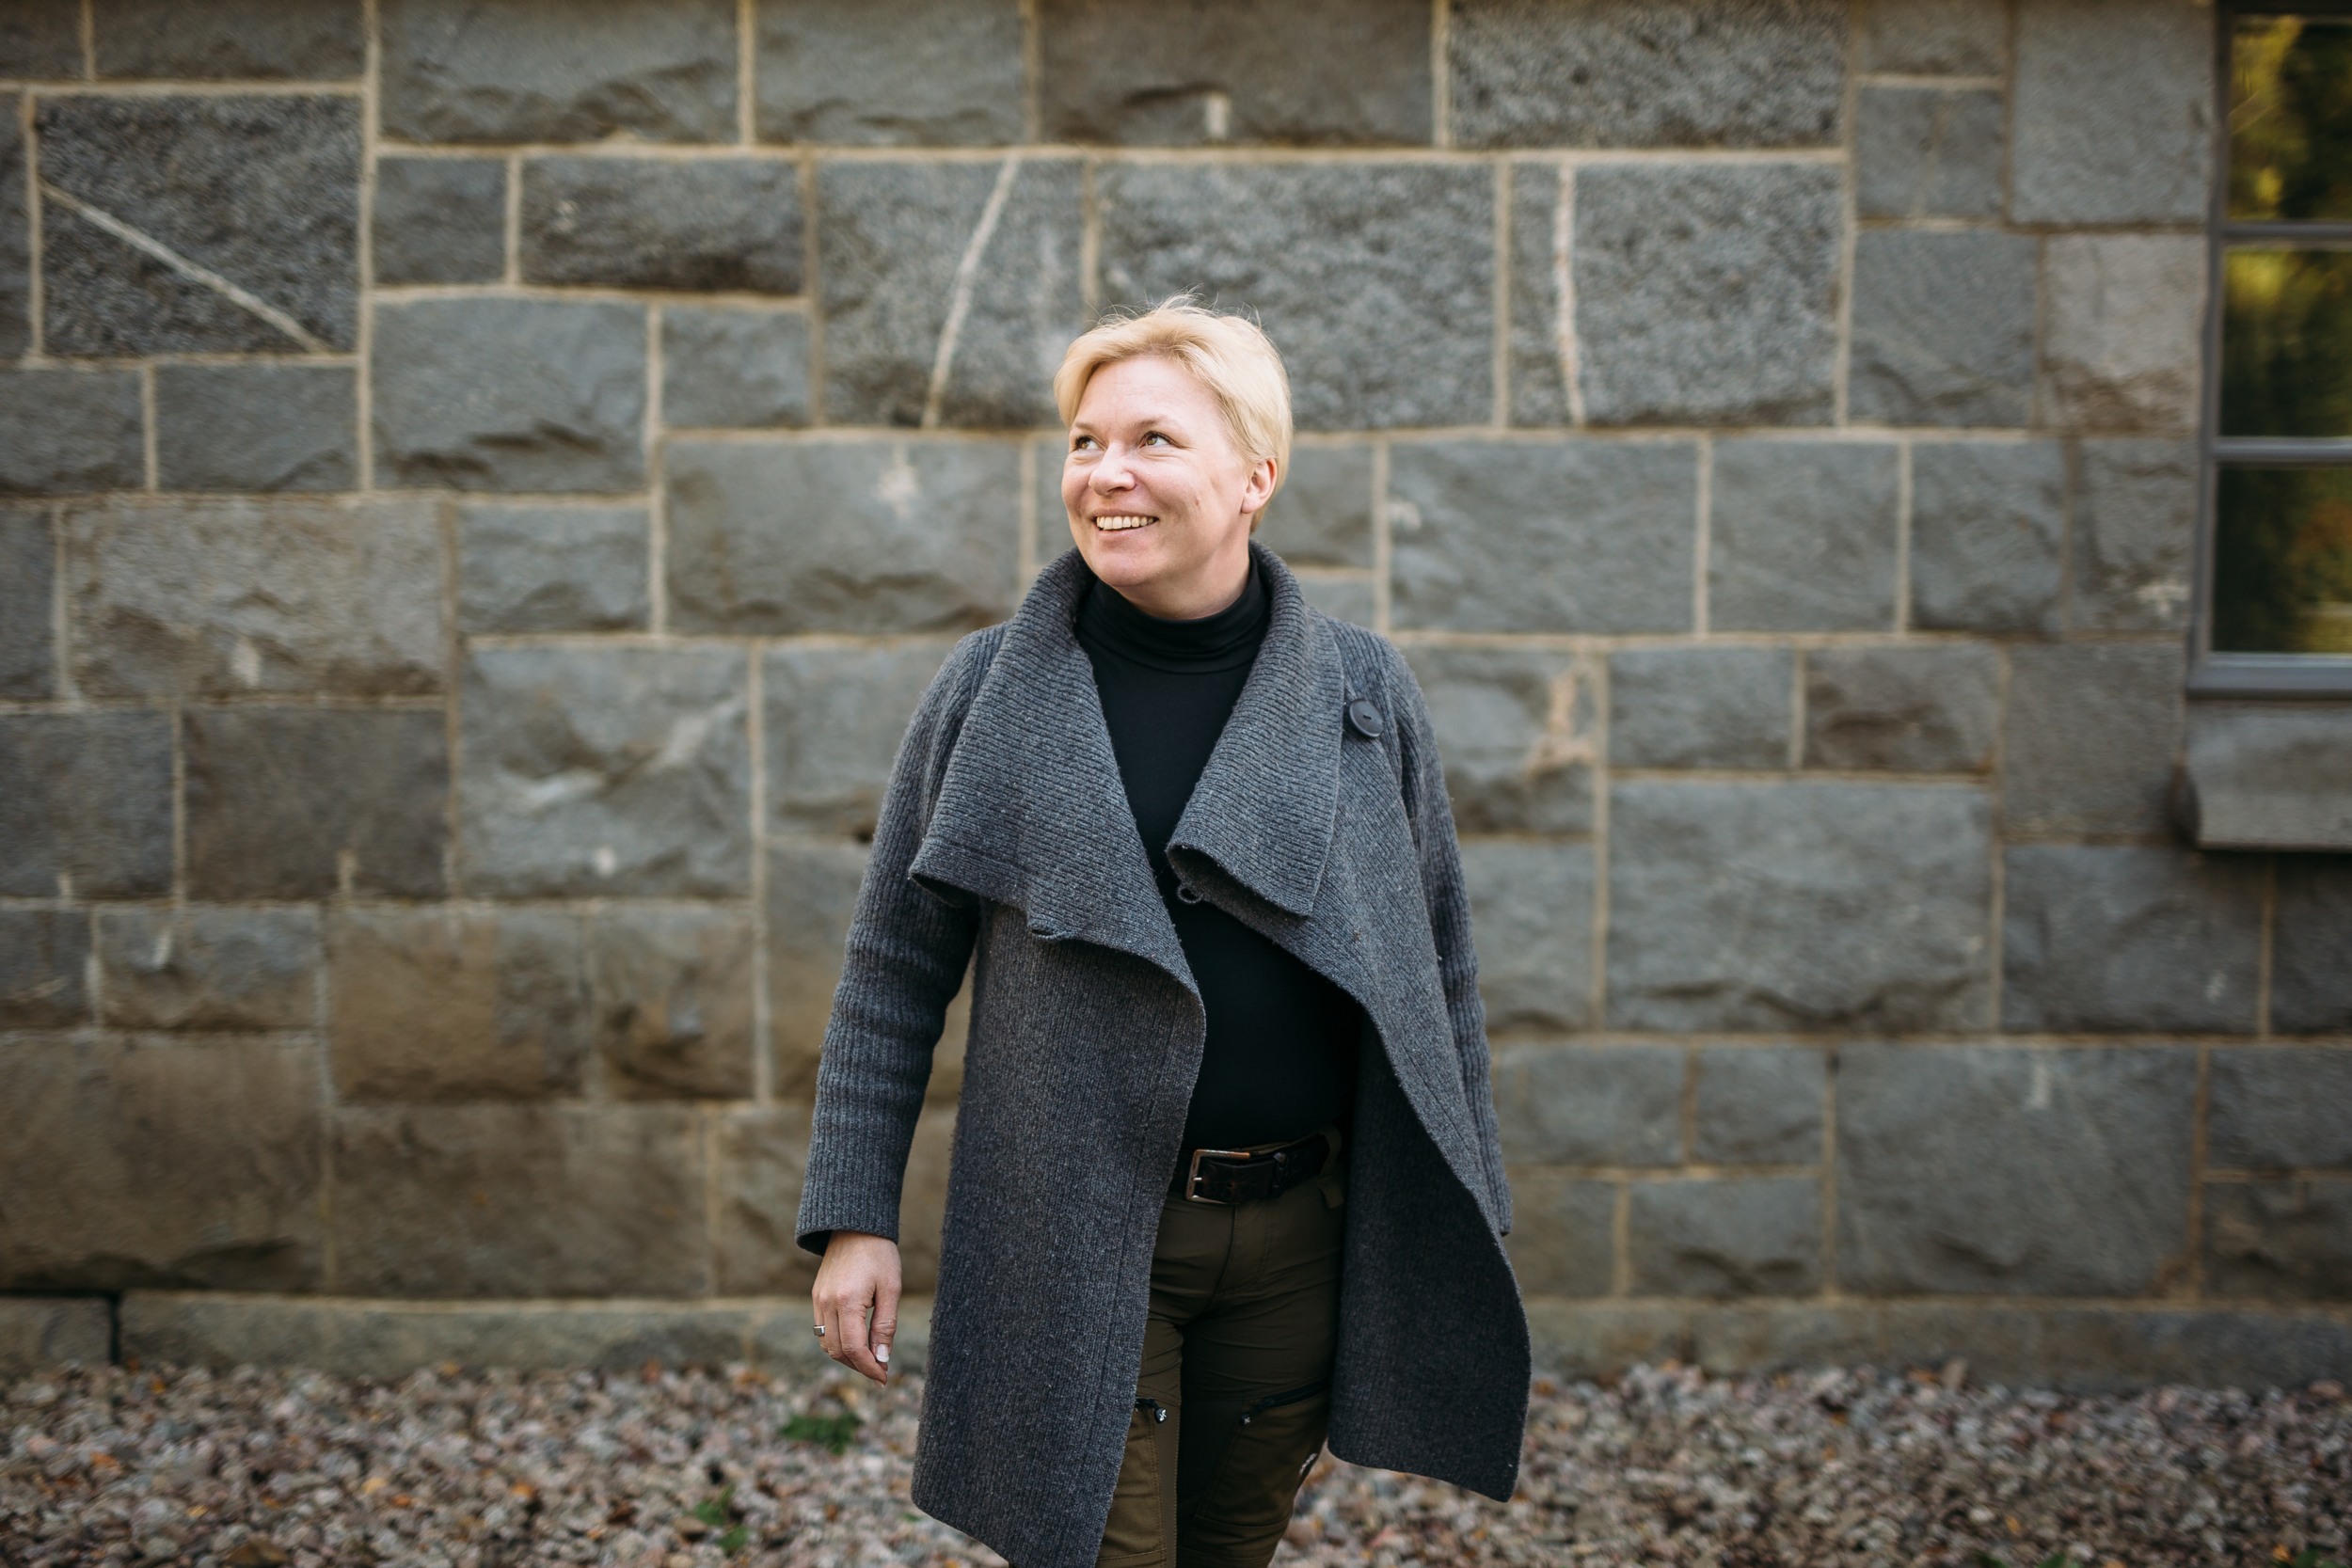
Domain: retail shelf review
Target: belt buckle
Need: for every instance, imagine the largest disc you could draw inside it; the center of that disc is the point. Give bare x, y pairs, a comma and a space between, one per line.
1192, 1173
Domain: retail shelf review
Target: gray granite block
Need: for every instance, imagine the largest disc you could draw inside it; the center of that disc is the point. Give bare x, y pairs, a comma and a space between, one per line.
44, 969
308, 40
2310, 958
256, 427
1924, 152
1726, 1237
71, 430
28, 582
811, 889
835, 712
1700, 707
727, 366
1933, 38
759, 1159
2266, 776
1345, 597
1532, 916
16, 241
38, 1333
2123, 333
305, 802
209, 967
2113, 120
2279, 1240
1925, 708
889, 72
1321, 517
1590, 1104
1760, 1105
2279, 1108
86, 804
2090, 736
1544, 354
440, 220
663, 223
1515, 734
1988, 527
669, 991
1943, 327
1802, 536
1563, 1233
2121, 938
2136, 524
41, 37
525, 568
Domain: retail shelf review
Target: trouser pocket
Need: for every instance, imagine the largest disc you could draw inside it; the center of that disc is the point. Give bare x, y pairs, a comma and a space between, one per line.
1250, 1459
1141, 1529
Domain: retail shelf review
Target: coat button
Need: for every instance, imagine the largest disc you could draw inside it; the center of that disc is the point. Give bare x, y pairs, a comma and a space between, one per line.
1364, 719
1184, 894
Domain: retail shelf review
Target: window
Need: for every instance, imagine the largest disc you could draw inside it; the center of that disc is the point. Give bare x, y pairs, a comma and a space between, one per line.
2278, 424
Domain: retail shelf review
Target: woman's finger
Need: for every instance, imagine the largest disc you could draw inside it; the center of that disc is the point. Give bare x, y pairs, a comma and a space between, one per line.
857, 1352
885, 1326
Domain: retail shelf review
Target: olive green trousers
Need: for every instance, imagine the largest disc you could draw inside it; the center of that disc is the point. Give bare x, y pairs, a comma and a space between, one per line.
1234, 1392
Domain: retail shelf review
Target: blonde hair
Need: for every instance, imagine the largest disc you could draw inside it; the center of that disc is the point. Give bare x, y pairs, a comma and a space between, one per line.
1231, 357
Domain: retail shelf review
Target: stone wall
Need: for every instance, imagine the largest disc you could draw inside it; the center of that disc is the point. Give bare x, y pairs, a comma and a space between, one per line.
485, 484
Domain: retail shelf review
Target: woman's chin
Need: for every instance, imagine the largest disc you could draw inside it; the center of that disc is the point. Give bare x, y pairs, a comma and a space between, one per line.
1124, 560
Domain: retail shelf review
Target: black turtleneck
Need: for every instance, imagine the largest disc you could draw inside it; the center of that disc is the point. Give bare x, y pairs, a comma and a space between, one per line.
1280, 1056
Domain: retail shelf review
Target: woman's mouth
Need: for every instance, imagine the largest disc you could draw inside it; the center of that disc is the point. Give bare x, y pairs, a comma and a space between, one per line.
1119, 522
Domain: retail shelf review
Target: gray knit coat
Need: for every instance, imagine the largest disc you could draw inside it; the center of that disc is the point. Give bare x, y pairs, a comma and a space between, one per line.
1006, 843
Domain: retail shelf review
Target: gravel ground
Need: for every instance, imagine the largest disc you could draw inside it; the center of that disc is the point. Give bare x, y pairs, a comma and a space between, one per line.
687, 1469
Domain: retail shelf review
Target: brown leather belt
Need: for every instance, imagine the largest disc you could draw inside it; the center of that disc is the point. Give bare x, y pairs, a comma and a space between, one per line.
1238, 1176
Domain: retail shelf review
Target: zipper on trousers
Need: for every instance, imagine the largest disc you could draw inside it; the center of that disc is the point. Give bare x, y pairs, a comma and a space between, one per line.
1288, 1396
1157, 1411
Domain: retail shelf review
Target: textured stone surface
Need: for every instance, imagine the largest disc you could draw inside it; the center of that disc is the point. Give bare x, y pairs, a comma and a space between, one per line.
841, 535
893, 242
302, 802
1700, 707
726, 366
1983, 1170
759, 1157
889, 72
226, 598
438, 1004
1481, 530
1707, 295
201, 967
812, 888
1376, 279
256, 427
2134, 528
41, 37
44, 963
16, 254
1562, 1237
1759, 1105
2279, 1109
71, 430
2124, 330
1987, 531
510, 394
1532, 917
1941, 38
1590, 1105
524, 568
37, 1333
2113, 121
671, 992
1516, 734
1943, 328
1322, 515
2311, 957
604, 772
2116, 937
1345, 597
29, 581
310, 40
1925, 708
440, 220
2283, 1240
1803, 537
1924, 152
1630, 73
663, 223
1744, 1236
145, 1161
263, 191
85, 804
2266, 776
1691, 864
518, 1200
834, 714
1543, 357
2089, 743
1311, 70
662, 69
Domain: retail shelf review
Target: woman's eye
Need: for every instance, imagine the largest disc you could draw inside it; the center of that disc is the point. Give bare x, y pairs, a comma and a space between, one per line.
1082, 444
1151, 436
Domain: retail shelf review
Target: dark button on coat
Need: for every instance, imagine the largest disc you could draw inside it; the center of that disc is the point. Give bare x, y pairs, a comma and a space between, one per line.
1006, 842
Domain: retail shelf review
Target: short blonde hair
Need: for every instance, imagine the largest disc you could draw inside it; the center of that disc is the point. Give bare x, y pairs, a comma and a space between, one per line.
1231, 357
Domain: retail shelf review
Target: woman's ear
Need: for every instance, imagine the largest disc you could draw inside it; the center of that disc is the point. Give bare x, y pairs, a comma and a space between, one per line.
1258, 489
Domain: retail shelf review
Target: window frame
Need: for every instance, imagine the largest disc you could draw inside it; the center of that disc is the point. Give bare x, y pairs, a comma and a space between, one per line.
2244, 674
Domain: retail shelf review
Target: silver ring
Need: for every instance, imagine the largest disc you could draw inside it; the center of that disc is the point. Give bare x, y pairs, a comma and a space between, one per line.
820, 1331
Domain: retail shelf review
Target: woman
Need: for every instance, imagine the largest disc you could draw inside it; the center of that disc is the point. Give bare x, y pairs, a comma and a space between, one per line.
1226, 1172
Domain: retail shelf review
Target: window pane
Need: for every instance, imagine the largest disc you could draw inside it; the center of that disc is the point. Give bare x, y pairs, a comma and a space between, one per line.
2287, 343
2282, 562
2291, 118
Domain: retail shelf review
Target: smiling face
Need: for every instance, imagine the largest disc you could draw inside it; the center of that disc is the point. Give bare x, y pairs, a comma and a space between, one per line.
1160, 499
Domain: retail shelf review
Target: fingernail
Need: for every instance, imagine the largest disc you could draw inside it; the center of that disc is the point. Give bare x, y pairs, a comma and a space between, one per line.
882, 1353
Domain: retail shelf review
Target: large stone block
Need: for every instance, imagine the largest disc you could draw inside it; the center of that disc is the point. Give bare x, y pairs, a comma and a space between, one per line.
1516, 734
812, 890
650, 223
2136, 525
198, 967
1738, 1236
759, 1157
310, 40
672, 992
1563, 1233
1933, 38
1759, 1105
2311, 955
2124, 330
85, 804
1532, 916
1542, 345
841, 535
605, 771
1700, 707
520, 1200
1924, 152
2090, 736
1590, 1105
28, 582
1309, 72
1923, 708
1987, 530
1322, 515
2266, 776
443, 1005
1803, 537
2113, 121
1943, 327
1636, 73
1375, 279
525, 568
155, 1161
1571, 537
263, 191
2121, 937
44, 969
510, 394
1604, 1339
228, 599
2279, 1109
834, 715
722, 365
1983, 1171
37, 1333
16, 240
889, 72
303, 802
256, 427
662, 69
71, 430
907, 250
1706, 294
923, 1200
440, 220
2288, 1240
41, 37
1343, 597
1691, 864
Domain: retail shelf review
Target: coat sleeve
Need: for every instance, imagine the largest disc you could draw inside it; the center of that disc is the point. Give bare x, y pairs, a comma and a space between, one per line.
1432, 817
902, 964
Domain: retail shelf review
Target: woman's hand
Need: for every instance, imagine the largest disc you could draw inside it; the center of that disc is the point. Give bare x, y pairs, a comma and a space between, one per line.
856, 1297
